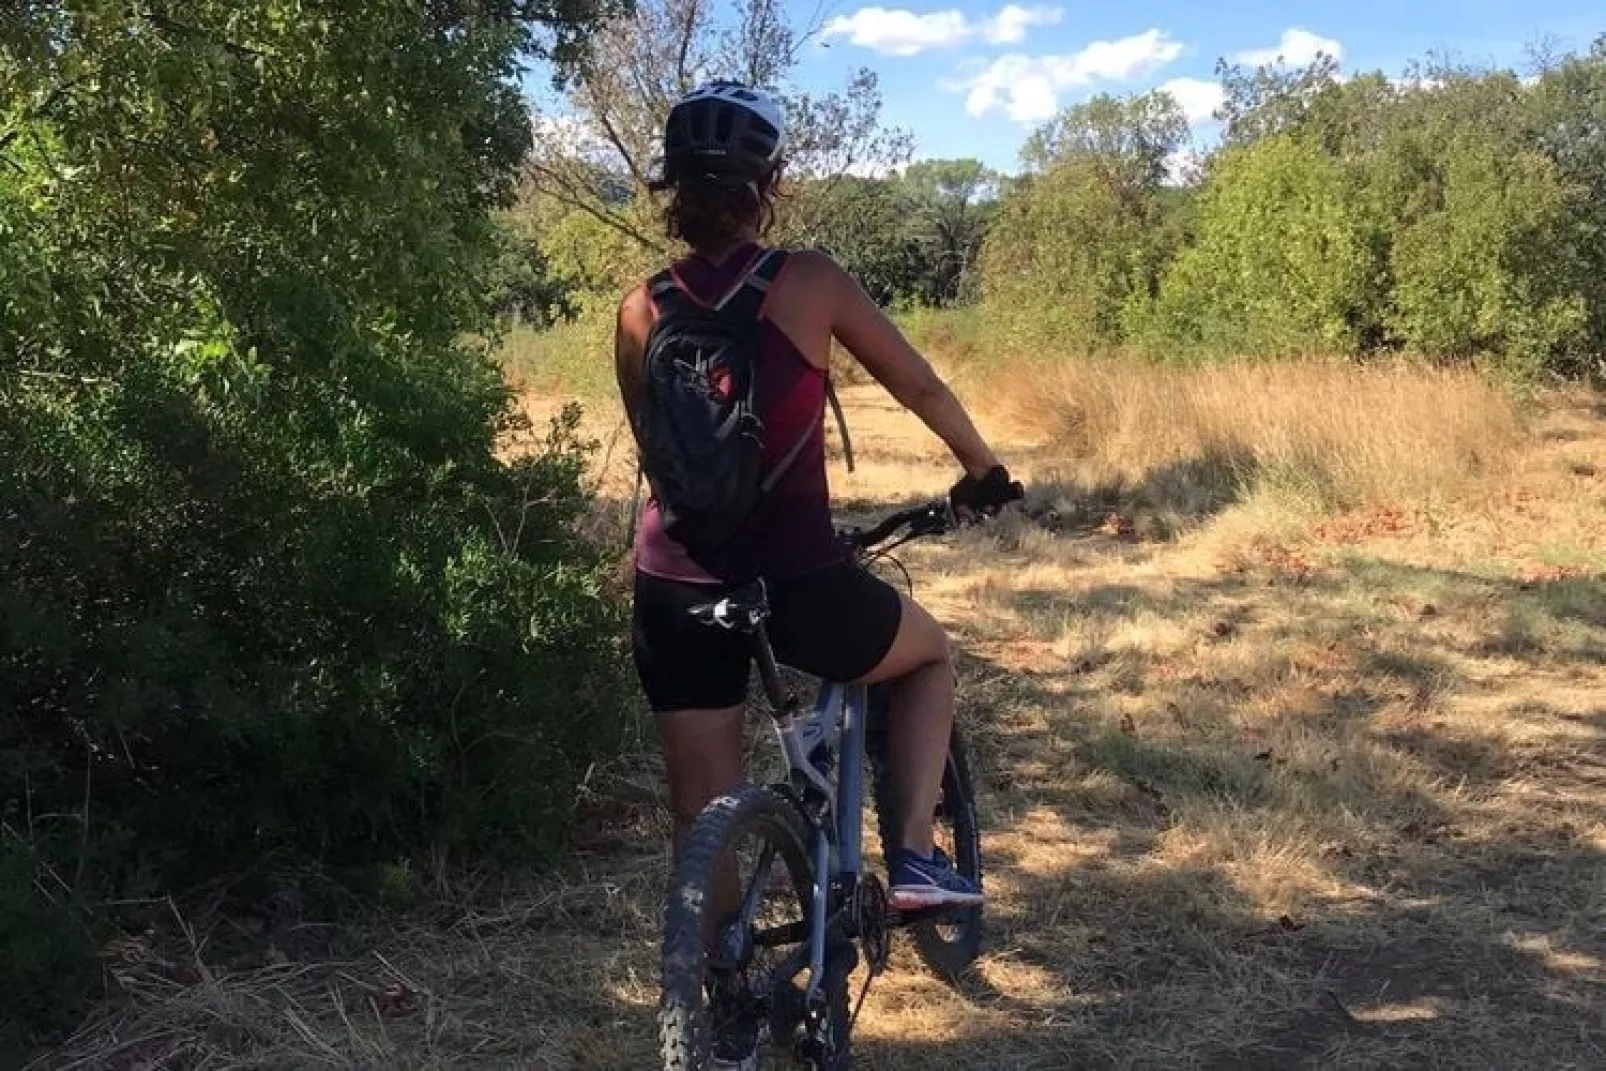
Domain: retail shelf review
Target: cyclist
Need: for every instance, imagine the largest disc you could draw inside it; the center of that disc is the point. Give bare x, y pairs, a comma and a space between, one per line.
722, 159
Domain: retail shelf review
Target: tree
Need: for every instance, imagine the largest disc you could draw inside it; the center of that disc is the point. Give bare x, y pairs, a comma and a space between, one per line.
1078, 245
1287, 256
1130, 140
270, 593
864, 224
951, 203
1489, 273
619, 93
1272, 99
1567, 121
1066, 258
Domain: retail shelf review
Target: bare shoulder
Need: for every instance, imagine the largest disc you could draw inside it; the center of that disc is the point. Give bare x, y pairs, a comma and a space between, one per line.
636, 305
815, 266
636, 315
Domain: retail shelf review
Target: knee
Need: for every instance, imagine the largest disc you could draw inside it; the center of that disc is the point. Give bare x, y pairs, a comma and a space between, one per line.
942, 648
935, 654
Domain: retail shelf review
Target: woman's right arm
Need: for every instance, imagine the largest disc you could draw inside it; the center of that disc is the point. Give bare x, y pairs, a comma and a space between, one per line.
878, 345
630, 349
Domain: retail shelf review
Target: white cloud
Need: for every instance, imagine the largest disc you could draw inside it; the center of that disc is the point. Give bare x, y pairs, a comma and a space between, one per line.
901, 32
568, 133
1298, 48
1009, 26
1027, 88
1184, 165
1197, 97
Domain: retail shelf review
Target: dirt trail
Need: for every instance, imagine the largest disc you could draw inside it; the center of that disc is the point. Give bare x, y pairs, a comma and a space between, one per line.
1333, 798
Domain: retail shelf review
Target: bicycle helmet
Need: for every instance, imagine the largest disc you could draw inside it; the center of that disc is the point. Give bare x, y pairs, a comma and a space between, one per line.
726, 129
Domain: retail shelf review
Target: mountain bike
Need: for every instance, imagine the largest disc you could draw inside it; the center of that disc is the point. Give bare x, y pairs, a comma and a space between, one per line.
770, 909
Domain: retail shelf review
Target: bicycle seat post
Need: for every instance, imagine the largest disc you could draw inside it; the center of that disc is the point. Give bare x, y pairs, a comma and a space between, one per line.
783, 700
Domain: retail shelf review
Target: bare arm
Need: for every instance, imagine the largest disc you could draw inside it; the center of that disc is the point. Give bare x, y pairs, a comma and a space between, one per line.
630, 349
878, 345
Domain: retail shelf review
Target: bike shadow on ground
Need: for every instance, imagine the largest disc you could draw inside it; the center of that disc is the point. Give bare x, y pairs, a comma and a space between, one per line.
1402, 868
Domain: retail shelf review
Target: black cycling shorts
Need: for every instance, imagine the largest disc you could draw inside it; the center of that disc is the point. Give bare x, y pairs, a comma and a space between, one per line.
836, 624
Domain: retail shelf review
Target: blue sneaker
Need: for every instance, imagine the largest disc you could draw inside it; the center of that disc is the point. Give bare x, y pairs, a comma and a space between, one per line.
919, 882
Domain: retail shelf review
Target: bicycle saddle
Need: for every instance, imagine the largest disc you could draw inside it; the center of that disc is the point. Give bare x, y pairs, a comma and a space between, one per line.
743, 609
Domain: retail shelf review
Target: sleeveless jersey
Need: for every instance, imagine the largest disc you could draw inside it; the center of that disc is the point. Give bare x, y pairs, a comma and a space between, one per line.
789, 532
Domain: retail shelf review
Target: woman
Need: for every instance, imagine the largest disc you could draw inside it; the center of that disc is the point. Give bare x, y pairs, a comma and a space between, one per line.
722, 154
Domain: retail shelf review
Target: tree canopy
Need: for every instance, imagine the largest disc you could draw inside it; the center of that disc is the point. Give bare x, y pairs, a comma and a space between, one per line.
270, 591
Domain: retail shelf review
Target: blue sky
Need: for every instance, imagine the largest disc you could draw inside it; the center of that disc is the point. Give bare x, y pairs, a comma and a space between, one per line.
973, 77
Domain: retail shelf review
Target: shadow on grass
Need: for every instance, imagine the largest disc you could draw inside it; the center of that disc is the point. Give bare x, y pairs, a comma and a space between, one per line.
1168, 499
1462, 918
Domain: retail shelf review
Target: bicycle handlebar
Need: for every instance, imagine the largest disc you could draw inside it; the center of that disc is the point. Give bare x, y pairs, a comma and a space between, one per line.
930, 518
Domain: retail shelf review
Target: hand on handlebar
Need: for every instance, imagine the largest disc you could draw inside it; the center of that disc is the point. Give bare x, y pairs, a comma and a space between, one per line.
975, 497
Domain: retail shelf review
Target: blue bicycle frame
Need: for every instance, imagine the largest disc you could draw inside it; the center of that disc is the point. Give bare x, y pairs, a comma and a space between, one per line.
825, 757
832, 734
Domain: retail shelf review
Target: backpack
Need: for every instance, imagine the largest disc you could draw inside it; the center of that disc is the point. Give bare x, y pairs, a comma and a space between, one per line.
700, 436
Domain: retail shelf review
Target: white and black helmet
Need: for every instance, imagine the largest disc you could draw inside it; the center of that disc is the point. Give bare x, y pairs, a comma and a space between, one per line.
724, 128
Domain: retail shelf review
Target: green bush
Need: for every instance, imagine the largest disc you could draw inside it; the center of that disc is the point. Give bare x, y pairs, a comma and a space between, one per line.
1484, 275
1068, 256
572, 357
269, 590
1287, 257
1077, 247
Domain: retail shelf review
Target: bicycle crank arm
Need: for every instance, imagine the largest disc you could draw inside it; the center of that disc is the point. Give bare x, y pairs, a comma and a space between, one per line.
819, 923
797, 932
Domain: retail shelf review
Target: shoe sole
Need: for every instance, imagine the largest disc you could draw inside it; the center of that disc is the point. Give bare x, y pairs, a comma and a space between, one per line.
919, 899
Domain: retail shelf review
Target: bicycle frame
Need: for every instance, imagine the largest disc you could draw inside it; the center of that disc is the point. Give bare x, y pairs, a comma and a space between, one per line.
833, 800
825, 757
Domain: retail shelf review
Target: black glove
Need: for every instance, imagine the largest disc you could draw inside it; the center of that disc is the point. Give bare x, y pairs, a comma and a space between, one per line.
985, 495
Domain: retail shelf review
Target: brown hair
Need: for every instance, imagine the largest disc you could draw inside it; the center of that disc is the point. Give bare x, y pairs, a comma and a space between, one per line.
711, 210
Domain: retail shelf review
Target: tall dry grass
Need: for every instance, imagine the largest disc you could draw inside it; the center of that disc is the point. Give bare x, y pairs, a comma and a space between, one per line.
1326, 434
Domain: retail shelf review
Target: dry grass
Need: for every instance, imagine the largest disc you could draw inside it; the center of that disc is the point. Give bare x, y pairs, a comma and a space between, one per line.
1313, 434
1282, 790
574, 358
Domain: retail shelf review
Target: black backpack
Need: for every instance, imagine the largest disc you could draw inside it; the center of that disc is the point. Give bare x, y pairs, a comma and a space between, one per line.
700, 435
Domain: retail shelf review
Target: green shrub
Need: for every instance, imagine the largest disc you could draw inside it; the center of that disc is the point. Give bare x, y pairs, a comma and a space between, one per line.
269, 590
1069, 252
47, 949
572, 357
1287, 258
1484, 274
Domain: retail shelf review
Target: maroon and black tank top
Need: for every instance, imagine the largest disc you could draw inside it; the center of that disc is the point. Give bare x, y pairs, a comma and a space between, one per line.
789, 533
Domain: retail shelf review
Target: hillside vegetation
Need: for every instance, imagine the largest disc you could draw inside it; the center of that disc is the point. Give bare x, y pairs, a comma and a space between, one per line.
1454, 214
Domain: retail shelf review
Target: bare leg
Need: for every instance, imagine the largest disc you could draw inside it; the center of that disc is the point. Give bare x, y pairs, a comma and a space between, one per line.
920, 664
703, 752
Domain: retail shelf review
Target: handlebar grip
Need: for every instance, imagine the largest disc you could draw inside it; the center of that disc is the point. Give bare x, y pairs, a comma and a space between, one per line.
926, 519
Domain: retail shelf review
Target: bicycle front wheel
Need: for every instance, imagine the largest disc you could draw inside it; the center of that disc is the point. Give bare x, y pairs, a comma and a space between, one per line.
736, 928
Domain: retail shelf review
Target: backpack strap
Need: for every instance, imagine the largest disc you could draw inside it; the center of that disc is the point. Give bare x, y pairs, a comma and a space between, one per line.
841, 422
666, 295
744, 301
